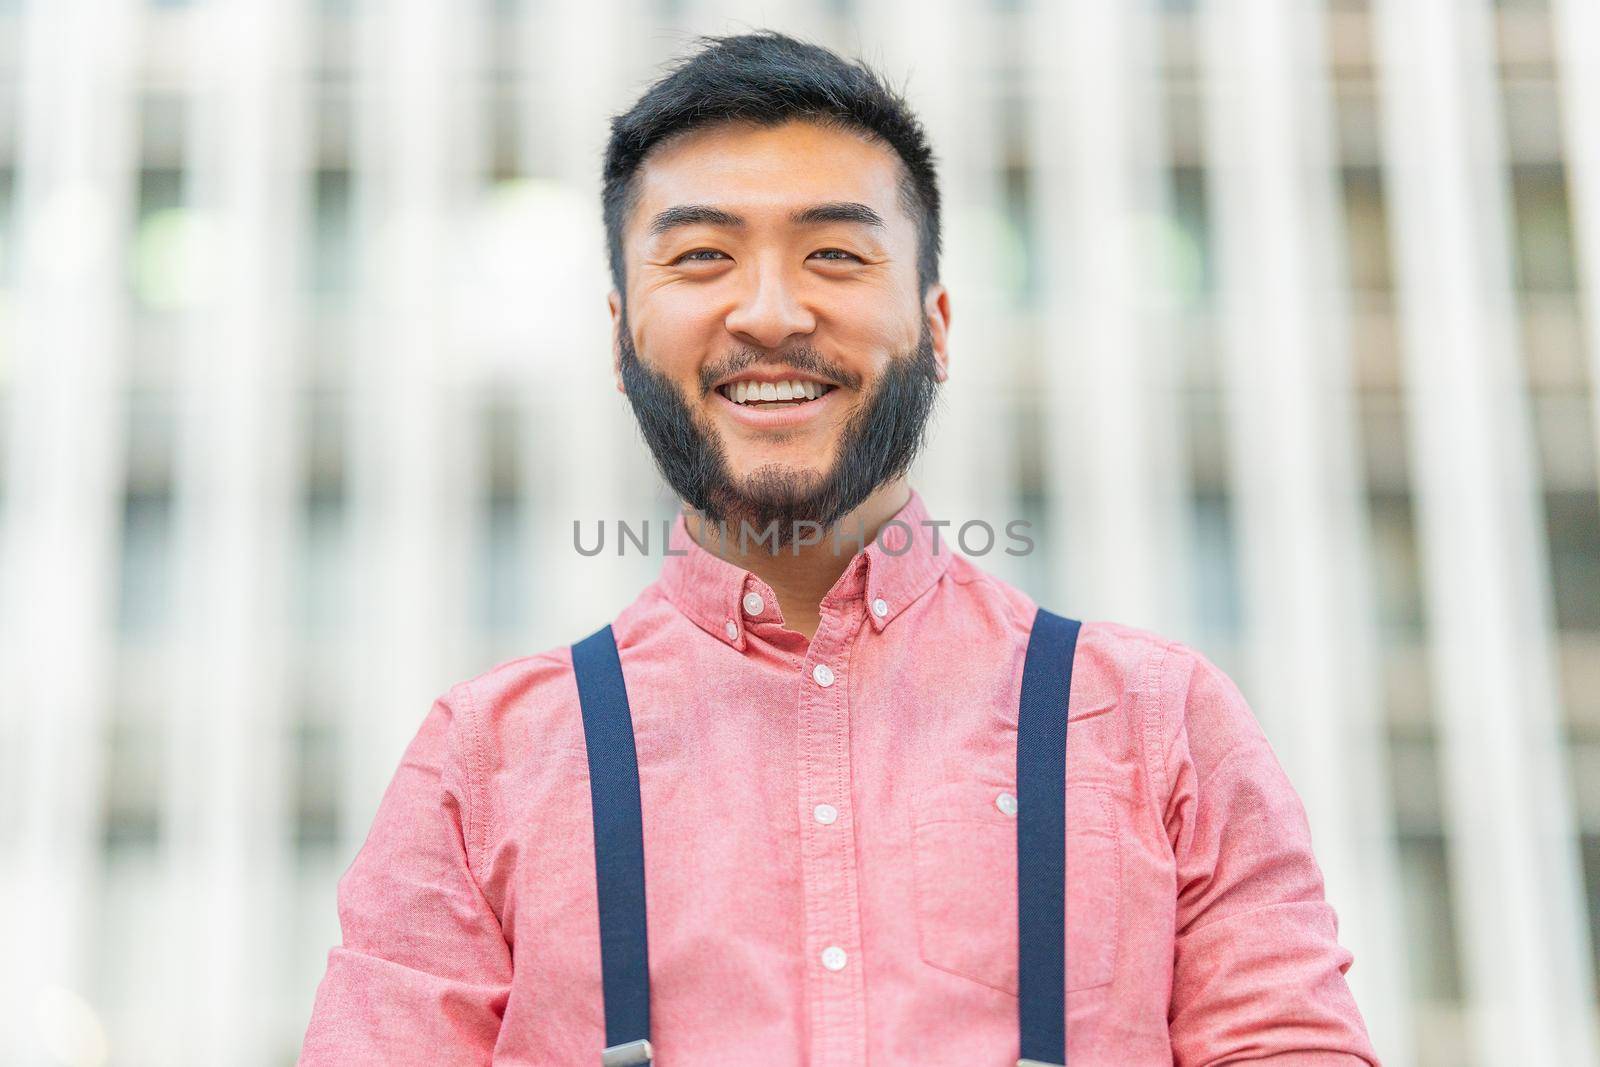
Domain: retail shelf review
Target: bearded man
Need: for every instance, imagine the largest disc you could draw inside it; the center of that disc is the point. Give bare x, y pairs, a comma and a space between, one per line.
826, 793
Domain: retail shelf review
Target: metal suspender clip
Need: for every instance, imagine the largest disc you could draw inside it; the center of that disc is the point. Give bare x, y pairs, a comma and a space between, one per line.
1038, 1063
628, 1054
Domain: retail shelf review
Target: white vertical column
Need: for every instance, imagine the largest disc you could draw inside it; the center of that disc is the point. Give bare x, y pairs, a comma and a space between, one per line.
1575, 27
582, 441
1296, 476
1513, 847
945, 56
416, 155
1118, 512
226, 817
75, 174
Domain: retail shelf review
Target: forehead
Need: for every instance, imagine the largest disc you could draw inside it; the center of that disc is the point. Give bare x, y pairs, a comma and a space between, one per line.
752, 170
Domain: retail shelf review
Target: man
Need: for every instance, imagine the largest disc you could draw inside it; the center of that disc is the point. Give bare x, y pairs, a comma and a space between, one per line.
816, 815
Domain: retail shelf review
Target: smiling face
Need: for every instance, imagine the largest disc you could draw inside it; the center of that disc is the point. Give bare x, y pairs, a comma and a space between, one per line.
774, 344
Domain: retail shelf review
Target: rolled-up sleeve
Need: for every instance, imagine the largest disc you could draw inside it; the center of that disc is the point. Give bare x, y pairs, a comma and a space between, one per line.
1258, 971
423, 971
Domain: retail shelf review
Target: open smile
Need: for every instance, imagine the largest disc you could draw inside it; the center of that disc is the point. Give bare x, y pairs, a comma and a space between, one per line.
775, 404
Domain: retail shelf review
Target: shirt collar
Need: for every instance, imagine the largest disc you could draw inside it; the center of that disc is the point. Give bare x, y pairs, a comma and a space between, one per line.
894, 569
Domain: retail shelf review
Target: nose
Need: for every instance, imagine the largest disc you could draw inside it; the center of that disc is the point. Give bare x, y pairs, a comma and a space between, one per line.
769, 312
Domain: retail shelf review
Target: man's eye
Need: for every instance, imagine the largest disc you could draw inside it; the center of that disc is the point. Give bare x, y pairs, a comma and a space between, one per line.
699, 255
836, 254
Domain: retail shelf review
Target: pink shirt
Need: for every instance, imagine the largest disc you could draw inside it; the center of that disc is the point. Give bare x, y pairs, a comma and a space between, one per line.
784, 817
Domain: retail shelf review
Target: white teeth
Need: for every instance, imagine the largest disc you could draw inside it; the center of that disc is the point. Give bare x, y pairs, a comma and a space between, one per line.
746, 392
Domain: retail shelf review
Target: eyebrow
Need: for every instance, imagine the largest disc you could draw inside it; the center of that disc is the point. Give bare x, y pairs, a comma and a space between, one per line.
838, 211
705, 215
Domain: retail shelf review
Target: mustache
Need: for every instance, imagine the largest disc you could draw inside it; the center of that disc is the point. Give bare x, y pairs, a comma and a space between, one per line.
803, 358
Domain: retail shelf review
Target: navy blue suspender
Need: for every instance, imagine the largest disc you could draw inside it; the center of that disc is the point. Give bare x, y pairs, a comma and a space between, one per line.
1041, 844
618, 849
1042, 837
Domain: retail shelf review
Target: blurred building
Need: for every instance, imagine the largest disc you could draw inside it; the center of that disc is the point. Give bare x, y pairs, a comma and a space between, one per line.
1292, 309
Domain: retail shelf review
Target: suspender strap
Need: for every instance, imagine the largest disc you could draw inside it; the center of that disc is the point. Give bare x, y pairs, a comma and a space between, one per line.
1041, 838
619, 848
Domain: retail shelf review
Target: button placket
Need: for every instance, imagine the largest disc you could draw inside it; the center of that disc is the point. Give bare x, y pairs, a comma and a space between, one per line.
837, 990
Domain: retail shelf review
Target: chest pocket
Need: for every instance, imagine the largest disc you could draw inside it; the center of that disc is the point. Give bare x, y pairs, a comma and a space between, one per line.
966, 884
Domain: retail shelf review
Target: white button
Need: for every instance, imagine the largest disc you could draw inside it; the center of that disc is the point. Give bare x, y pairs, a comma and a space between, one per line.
1006, 803
880, 607
822, 674
833, 958
733, 630
825, 813
753, 603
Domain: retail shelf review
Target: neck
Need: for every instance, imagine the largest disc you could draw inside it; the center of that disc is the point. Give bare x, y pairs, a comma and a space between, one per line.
802, 576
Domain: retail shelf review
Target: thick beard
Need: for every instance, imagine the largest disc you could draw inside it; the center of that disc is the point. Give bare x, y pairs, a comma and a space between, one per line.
878, 444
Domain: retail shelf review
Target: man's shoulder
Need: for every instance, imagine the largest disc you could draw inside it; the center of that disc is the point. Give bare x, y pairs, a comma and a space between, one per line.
1152, 655
521, 693
1114, 660
1181, 688
544, 682
1132, 641
522, 671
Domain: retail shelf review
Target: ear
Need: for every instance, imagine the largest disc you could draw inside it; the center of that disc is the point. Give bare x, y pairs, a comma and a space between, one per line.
614, 303
936, 310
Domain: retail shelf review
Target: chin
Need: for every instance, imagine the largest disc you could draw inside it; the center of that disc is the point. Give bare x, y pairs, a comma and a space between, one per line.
765, 479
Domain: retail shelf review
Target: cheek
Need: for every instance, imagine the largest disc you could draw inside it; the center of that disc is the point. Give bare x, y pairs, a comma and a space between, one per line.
875, 320
675, 340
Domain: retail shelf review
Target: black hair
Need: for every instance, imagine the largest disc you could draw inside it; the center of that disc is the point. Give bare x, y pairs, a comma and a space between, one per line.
768, 78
